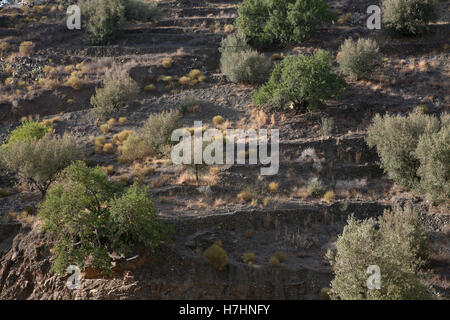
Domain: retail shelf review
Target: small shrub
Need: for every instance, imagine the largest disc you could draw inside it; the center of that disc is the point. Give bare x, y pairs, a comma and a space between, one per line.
303, 80
93, 217
274, 262
118, 89
216, 256
108, 147
246, 195
75, 83
358, 59
269, 23
328, 196
326, 126
153, 138
280, 256
103, 19
100, 141
273, 187
28, 131
249, 233
408, 17
122, 120
325, 294
104, 128
248, 257
167, 63
4, 48
421, 109
4, 192
149, 88
218, 120
396, 243
189, 104
37, 161
316, 188
141, 10
26, 48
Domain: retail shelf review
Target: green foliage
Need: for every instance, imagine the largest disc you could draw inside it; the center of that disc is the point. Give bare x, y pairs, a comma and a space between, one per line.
216, 256
408, 17
141, 10
396, 243
316, 188
358, 59
396, 139
303, 80
153, 138
433, 153
118, 89
93, 217
37, 161
280, 22
27, 131
246, 66
103, 19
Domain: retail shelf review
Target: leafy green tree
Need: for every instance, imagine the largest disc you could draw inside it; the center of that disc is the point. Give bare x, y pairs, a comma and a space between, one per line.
306, 81
93, 217
280, 22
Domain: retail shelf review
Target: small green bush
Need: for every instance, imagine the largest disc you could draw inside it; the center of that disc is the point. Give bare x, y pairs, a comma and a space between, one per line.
303, 80
316, 188
408, 17
240, 63
153, 138
396, 139
358, 59
93, 217
118, 89
216, 256
280, 22
396, 243
245, 66
28, 130
38, 161
141, 10
103, 19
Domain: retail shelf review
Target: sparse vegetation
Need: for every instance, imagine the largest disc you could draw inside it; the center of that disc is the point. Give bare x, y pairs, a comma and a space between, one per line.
316, 188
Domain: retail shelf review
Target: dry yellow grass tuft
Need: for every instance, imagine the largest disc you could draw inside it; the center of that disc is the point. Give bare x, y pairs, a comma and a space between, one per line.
100, 141
122, 120
273, 187
218, 120
111, 122
328, 196
167, 63
248, 257
246, 195
108, 147
149, 88
75, 83
104, 128
26, 48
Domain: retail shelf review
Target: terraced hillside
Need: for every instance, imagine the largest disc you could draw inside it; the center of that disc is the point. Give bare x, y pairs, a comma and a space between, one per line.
230, 203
